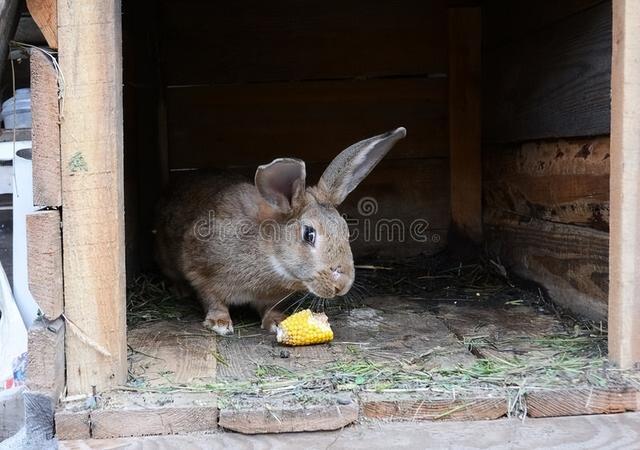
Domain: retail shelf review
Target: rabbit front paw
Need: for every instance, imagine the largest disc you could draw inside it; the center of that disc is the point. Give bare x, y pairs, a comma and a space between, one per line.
218, 322
271, 319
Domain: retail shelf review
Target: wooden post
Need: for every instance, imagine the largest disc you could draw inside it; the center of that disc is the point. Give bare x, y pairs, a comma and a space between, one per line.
45, 131
90, 49
44, 256
624, 241
464, 121
45, 15
8, 22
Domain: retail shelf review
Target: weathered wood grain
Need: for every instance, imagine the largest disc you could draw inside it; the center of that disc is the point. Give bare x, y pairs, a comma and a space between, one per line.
552, 82
502, 326
465, 38
44, 258
45, 14
45, 130
602, 432
128, 421
257, 41
581, 401
8, 22
507, 21
284, 420
45, 369
624, 254
565, 181
172, 352
571, 262
511, 332
233, 125
90, 50
72, 424
416, 407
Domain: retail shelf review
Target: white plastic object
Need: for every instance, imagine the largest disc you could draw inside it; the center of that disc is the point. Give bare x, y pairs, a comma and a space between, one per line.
17, 120
16, 111
6, 169
22, 205
13, 339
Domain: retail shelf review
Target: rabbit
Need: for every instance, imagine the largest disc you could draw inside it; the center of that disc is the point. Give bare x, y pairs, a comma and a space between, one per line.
234, 242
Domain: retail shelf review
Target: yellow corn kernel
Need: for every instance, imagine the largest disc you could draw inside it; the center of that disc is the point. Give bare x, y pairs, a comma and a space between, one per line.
304, 328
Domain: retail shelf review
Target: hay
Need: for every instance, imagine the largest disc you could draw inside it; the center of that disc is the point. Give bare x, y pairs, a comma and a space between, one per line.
574, 357
149, 299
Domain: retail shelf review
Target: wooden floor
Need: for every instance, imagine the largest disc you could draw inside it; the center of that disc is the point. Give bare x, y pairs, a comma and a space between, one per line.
619, 431
185, 379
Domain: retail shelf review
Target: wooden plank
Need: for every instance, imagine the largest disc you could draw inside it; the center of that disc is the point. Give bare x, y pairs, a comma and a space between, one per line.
90, 44
286, 420
602, 432
465, 39
234, 125
554, 82
8, 22
571, 262
507, 21
172, 352
374, 206
45, 369
564, 181
410, 330
624, 254
417, 407
72, 424
149, 421
580, 401
47, 190
258, 41
508, 331
412, 335
45, 14
44, 258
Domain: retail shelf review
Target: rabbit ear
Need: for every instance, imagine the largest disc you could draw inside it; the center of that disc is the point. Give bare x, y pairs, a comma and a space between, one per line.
351, 166
282, 182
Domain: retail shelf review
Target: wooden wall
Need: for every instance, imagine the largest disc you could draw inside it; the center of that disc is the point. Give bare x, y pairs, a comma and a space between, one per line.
547, 72
246, 82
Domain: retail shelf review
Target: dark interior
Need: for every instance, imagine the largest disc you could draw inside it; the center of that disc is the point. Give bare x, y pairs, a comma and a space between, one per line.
234, 85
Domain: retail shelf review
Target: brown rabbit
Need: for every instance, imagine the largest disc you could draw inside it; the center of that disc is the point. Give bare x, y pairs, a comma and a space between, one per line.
241, 243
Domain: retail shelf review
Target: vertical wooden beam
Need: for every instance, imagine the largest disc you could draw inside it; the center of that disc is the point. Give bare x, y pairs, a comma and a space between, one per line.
464, 121
624, 240
45, 15
8, 22
44, 257
45, 131
90, 49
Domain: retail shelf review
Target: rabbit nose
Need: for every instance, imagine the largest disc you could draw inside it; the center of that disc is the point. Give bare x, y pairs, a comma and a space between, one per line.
336, 272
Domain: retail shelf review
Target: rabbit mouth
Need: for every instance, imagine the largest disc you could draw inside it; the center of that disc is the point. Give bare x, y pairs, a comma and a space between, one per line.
321, 291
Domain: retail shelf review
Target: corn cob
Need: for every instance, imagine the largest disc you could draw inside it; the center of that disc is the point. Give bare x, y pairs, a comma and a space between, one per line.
304, 328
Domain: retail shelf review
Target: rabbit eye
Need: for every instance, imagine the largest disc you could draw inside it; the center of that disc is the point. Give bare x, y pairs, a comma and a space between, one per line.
309, 235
